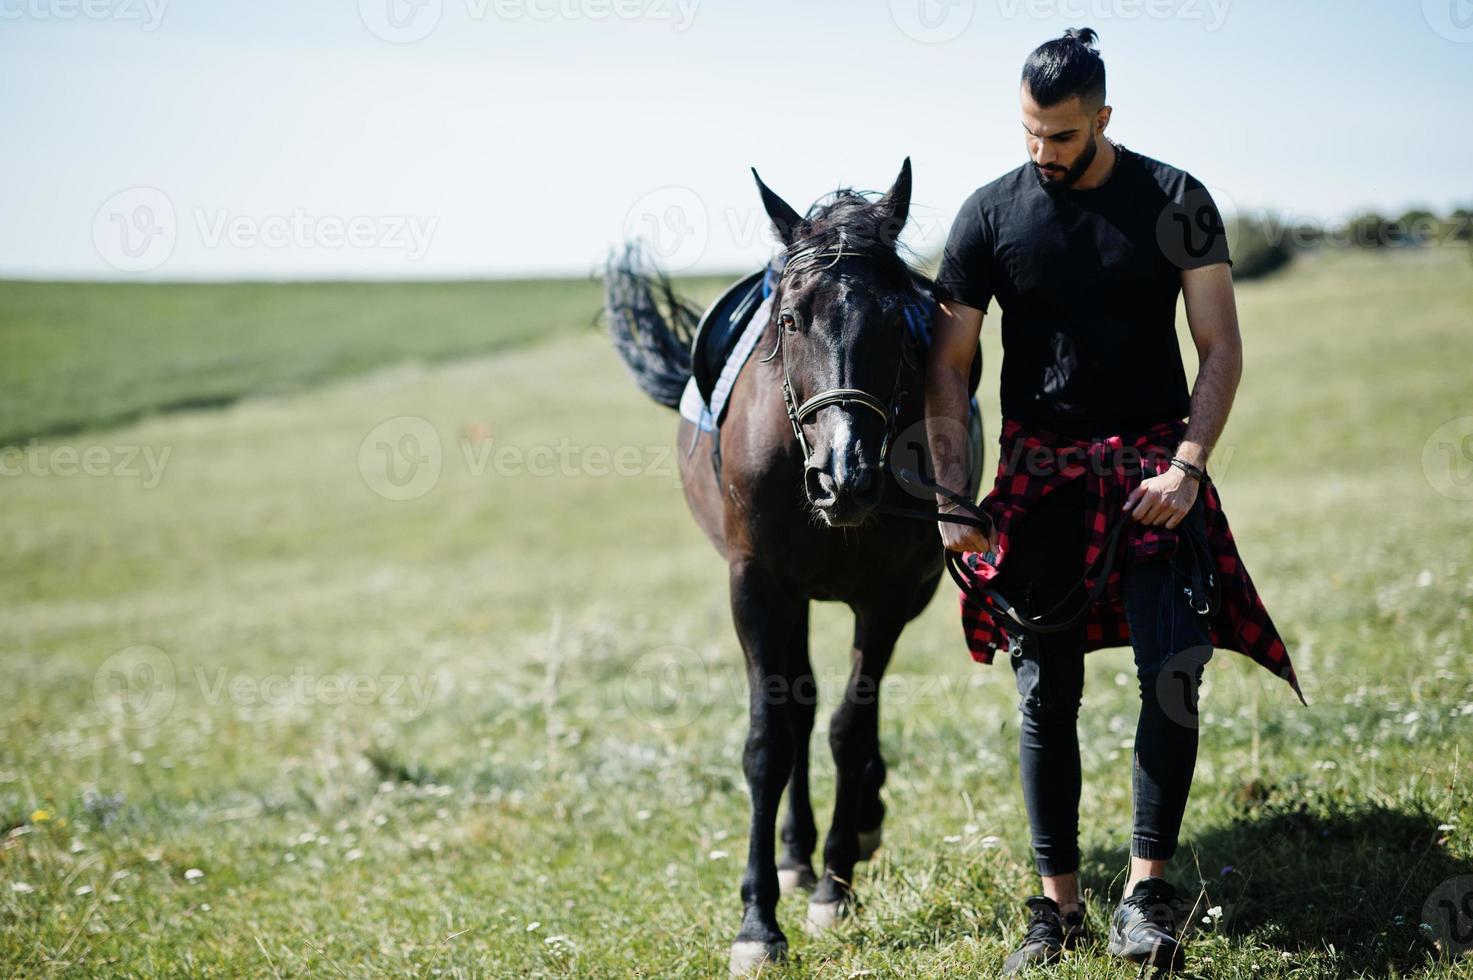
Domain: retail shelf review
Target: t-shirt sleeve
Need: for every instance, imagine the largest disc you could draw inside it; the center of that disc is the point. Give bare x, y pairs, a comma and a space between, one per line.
1194, 234
966, 264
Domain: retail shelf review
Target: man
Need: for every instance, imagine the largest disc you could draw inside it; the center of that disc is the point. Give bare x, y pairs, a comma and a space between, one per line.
1087, 248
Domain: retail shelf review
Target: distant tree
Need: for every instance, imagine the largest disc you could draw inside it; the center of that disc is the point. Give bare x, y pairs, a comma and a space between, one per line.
1260, 245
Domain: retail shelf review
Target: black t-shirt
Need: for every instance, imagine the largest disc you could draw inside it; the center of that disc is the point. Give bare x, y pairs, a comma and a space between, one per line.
1088, 282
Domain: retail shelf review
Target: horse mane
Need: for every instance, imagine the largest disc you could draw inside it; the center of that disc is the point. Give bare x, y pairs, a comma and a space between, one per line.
849, 218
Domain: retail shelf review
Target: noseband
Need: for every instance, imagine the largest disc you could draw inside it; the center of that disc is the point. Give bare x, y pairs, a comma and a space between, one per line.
799, 414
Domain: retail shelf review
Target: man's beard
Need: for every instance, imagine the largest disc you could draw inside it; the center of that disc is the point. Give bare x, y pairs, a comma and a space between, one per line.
1070, 176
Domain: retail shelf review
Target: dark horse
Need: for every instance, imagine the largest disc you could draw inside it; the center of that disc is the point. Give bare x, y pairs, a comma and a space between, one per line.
811, 419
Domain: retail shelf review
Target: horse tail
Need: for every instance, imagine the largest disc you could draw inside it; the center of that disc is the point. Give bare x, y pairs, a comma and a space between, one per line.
650, 325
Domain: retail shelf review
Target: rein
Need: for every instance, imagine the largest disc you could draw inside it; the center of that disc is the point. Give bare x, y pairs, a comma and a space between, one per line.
996, 603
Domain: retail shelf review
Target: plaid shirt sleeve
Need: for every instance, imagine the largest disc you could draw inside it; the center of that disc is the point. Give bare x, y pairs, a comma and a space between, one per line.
1033, 463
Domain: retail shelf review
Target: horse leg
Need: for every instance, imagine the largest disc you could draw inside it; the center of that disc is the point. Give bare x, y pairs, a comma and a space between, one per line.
768, 619
799, 833
871, 807
854, 737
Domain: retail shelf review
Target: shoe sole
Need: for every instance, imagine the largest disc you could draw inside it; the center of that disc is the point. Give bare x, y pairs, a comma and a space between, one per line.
1173, 960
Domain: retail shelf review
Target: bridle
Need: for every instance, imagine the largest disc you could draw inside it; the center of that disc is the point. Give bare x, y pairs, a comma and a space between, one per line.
799, 414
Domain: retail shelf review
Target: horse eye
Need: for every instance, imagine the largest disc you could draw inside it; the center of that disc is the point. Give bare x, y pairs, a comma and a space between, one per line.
787, 321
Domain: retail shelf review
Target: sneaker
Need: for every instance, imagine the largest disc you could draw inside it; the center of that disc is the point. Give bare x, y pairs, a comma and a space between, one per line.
1049, 933
1143, 928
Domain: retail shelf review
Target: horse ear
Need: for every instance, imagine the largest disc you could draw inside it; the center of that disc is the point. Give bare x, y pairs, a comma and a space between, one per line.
784, 219
894, 208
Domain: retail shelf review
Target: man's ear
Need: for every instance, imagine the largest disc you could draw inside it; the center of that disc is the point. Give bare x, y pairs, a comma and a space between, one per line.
1102, 119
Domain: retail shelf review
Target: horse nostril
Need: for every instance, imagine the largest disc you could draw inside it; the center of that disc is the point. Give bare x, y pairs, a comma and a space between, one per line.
822, 489
865, 484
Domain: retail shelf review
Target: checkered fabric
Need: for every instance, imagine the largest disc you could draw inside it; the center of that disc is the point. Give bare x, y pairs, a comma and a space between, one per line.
1034, 462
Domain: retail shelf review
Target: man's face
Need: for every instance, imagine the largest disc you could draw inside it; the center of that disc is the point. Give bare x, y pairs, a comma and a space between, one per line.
1062, 139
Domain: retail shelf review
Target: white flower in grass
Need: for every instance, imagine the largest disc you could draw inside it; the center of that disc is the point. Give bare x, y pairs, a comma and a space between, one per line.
111, 898
642, 815
84, 890
193, 874
1445, 826
718, 855
354, 854
952, 839
533, 926
990, 841
21, 888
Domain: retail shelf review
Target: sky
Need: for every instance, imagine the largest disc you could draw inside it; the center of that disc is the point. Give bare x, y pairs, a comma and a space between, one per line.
224, 139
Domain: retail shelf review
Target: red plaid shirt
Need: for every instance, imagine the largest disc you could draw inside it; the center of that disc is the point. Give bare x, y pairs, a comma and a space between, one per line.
1035, 462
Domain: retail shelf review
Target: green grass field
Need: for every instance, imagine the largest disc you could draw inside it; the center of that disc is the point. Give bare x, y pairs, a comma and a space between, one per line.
264, 718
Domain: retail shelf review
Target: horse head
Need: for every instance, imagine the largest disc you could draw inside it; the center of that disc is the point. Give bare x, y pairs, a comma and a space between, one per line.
840, 312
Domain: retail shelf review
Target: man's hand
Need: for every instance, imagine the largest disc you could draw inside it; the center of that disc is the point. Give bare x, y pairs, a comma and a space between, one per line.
962, 537
1163, 499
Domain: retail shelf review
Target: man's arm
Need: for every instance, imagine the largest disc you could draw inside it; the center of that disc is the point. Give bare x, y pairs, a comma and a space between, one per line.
1212, 316
955, 333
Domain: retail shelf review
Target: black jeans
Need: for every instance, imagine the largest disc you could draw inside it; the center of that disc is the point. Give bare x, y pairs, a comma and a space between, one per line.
1172, 645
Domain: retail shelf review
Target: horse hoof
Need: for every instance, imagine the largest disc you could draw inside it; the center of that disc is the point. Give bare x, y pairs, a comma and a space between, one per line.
797, 879
750, 955
823, 916
869, 842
